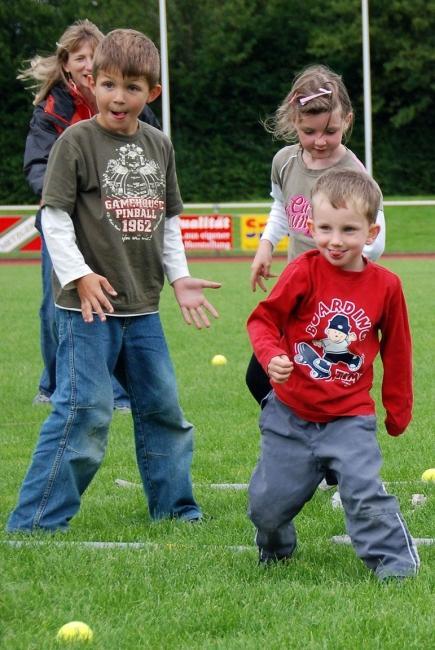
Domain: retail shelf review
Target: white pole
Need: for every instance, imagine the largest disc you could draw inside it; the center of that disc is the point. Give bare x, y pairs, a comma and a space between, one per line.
166, 111
367, 87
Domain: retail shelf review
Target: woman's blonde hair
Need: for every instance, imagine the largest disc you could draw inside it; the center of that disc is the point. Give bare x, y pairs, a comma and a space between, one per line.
316, 89
45, 72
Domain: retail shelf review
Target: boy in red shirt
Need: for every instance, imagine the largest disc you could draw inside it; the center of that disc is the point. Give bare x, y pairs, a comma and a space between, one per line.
317, 336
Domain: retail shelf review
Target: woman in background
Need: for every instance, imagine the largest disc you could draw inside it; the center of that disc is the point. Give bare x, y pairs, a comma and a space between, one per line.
62, 98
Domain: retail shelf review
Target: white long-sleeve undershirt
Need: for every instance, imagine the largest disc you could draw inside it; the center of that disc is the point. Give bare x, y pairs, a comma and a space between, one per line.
68, 261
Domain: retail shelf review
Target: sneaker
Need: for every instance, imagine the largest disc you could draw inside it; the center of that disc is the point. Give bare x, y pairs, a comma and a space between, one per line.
393, 579
41, 398
267, 560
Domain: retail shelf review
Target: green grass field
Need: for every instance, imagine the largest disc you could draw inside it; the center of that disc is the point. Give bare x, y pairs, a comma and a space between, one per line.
191, 586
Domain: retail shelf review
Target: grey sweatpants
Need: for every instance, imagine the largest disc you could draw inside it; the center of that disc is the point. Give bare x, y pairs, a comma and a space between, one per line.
294, 456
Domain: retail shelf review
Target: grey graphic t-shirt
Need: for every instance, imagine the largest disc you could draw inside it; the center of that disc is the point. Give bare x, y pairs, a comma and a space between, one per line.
296, 182
118, 191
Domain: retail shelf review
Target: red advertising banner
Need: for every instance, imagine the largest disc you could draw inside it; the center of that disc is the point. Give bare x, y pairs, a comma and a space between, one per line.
18, 235
20, 239
207, 231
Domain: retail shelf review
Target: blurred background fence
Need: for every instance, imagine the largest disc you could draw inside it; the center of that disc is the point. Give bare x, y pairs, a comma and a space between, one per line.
230, 229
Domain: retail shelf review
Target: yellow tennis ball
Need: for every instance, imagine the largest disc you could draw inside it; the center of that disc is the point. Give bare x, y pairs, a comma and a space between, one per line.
75, 631
428, 475
218, 360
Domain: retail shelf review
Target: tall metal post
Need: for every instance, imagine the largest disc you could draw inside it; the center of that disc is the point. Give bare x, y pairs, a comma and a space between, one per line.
166, 111
367, 86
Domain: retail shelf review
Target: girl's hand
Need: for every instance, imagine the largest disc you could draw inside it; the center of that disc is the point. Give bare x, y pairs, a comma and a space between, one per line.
92, 289
260, 267
193, 303
280, 368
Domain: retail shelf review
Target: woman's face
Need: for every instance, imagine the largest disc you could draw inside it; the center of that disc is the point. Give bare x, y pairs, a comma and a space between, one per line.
79, 65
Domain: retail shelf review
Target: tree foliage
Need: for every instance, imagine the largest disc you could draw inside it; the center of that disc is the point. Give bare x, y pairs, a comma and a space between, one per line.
231, 63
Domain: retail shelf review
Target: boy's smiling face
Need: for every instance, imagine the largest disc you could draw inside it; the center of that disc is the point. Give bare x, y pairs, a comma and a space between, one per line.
340, 234
120, 100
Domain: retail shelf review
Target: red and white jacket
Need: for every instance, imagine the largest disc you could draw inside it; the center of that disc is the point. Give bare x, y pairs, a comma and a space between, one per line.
64, 106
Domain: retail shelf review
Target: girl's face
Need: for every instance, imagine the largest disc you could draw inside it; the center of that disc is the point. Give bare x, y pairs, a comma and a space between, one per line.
320, 135
79, 65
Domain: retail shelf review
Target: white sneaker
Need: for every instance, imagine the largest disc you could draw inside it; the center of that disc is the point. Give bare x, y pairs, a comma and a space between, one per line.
336, 501
41, 398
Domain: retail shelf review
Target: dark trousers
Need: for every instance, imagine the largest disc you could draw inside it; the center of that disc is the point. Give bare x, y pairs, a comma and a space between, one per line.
259, 386
294, 454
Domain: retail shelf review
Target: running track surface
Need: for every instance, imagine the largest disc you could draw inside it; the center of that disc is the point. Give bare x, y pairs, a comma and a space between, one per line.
237, 258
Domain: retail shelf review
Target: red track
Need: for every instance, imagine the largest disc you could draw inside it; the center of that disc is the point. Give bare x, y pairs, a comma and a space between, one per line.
235, 258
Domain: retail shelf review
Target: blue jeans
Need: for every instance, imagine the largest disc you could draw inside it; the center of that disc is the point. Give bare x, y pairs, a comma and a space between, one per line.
73, 438
48, 336
48, 333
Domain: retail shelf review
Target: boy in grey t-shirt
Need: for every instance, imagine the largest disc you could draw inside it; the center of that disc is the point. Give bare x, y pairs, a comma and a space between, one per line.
111, 202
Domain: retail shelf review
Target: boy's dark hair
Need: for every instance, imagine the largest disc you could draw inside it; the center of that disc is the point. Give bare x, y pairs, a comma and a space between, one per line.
349, 188
130, 53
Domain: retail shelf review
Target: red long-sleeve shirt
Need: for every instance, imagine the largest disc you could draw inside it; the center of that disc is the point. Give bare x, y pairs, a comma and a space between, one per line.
345, 318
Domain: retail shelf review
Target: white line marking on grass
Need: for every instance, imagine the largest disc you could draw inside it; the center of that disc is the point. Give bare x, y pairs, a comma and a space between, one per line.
213, 486
152, 546
223, 486
120, 482
418, 541
243, 486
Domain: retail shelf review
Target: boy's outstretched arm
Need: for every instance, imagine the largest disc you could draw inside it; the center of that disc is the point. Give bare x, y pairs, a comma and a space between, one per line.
193, 303
188, 291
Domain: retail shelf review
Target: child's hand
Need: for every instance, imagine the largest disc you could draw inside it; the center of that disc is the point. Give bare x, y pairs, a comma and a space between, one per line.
280, 368
189, 295
260, 267
91, 290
